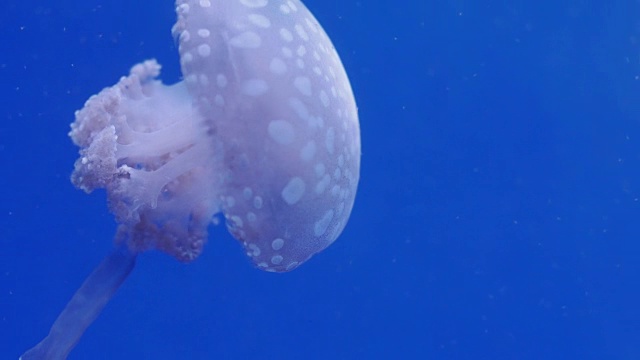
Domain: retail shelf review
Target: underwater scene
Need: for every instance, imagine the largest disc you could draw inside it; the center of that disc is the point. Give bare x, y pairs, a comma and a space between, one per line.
287, 179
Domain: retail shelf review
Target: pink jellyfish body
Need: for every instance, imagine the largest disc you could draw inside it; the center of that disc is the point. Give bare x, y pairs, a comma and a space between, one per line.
263, 129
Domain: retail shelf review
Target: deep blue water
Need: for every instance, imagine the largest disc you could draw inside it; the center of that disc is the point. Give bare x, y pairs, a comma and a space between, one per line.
497, 214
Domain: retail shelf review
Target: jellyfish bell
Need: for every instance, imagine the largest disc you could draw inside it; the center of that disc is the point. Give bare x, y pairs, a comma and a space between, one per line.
263, 129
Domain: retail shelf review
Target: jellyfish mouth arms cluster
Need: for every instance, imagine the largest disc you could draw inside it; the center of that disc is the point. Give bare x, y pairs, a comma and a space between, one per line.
142, 142
263, 129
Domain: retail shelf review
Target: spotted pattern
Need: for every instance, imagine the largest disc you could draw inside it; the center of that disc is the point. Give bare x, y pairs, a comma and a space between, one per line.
284, 117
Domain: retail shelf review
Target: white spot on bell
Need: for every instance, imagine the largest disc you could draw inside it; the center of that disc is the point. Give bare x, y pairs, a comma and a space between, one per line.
254, 3
303, 85
330, 140
321, 225
246, 40
281, 132
321, 186
183, 9
285, 9
301, 50
247, 192
277, 66
286, 35
324, 98
299, 108
187, 57
293, 191
257, 202
276, 259
259, 20
237, 221
204, 50
255, 250
302, 33
277, 244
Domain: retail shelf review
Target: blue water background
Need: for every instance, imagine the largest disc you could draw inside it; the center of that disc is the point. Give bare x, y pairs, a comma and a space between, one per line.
498, 214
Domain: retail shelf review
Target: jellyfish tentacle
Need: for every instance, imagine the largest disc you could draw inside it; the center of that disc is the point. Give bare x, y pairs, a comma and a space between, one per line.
85, 306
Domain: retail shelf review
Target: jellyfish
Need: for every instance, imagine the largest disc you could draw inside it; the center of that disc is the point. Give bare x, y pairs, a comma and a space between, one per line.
263, 129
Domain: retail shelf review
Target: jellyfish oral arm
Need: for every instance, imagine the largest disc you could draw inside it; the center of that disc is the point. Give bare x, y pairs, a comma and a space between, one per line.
84, 307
